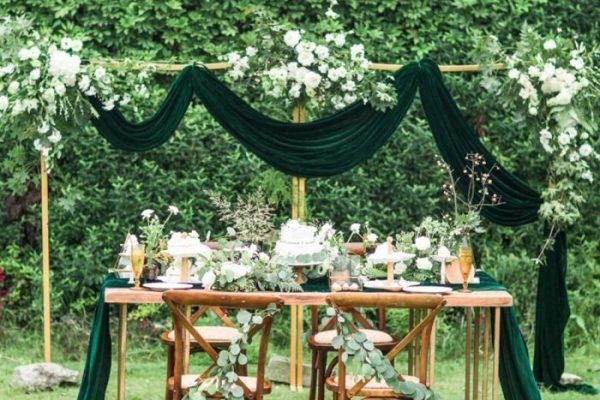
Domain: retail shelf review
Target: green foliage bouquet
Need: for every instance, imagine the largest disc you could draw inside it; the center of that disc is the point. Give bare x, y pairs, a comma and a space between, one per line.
43, 86
555, 81
320, 67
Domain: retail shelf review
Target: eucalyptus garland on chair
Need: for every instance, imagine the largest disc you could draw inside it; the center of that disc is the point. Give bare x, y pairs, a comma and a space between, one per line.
374, 365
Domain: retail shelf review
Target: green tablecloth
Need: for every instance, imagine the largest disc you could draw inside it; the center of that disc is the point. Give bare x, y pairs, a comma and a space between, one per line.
516, 375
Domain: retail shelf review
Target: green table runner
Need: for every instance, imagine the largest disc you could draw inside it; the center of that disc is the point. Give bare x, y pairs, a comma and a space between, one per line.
516, 375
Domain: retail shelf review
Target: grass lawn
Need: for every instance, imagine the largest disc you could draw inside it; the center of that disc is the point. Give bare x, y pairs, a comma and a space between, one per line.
145, 376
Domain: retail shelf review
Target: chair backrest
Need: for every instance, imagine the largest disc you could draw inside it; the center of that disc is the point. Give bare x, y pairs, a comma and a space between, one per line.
350, 301
179, 301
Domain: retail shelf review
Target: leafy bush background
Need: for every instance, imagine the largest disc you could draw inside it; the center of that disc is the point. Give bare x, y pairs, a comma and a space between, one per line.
97, 191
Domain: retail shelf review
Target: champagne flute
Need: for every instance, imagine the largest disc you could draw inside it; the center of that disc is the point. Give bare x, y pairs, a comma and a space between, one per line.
465, 260
138, 253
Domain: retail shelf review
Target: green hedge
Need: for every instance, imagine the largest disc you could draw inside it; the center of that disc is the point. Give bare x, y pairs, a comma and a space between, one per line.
97, 192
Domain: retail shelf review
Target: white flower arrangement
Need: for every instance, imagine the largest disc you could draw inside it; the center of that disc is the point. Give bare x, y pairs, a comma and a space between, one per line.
43, 85
556, 82
327, 70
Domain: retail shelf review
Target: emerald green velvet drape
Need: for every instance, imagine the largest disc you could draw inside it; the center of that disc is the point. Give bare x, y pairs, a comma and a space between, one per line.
341, 141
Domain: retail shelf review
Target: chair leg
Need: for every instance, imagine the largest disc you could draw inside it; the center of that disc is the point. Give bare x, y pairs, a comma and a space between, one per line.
170, 368
313, 374
322, 359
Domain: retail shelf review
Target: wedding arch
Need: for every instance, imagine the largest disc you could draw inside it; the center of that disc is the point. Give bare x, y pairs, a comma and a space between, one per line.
337, 143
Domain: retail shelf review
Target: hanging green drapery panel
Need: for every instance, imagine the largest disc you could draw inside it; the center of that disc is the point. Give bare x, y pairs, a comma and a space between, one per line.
335, 144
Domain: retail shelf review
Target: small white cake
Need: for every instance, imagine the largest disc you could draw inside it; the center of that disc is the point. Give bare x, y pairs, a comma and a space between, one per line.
298, 244
186, 244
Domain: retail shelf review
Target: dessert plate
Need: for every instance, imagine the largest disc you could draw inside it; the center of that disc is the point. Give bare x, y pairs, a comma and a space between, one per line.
446, 259
176, 279
394, 286
162, 286
428, 289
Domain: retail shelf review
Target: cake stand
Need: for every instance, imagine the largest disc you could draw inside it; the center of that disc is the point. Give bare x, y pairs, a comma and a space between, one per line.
389, 257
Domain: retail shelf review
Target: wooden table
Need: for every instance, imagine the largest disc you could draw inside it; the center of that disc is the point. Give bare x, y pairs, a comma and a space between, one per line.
476, 300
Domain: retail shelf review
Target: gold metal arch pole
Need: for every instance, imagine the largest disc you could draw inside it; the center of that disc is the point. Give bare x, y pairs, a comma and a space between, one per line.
45, 261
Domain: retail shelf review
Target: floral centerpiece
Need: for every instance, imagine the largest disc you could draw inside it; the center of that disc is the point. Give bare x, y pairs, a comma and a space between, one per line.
323, 67
554, 82
246, 269
153, 236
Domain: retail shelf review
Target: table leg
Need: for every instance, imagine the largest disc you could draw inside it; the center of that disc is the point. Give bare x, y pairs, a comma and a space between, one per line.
293, 347
411, 346
476, 354
186, 342
299, 348
432, 355
486, 353
121, 351
496, 353
468, 355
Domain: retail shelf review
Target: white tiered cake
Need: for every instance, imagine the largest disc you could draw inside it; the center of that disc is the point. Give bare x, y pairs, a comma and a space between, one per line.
184, 244
298, 245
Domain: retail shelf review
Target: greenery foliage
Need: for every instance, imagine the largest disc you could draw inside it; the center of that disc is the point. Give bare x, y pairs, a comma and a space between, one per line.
97, 192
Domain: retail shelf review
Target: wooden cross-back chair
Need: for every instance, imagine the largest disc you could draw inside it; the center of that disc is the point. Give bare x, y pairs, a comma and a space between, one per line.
320, 343
343, 385
218, 336
177, 301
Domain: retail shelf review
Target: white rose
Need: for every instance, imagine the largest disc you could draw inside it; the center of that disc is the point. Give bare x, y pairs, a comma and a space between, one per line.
424, 263
64, 66
311, 80
561, 99
577, 63
357, 52
399, 268
291, 38
514, 74
99, 73
66, 43
208, 279
339, 39
322, 52
564, 139
76, 45
23, 54
13, 87
371, 237
295, 90
574, 157
323, 68
34, 53
55, 137
34, 75
48, 95
587, 175
349, 98
43, 128
422, 243
84, 83
147, 213
18, 108
37, 144
550, 44
355, 228
264, 257
3, 103
547, 72
251, 51
533, 71
306, 58
571, 131
552, 85
585, 150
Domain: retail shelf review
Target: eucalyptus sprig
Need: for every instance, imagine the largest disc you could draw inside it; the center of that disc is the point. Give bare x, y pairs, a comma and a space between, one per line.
374, 365
223, 378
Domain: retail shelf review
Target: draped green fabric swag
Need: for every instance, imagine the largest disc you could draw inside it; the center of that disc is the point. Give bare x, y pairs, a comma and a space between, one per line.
336, 144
